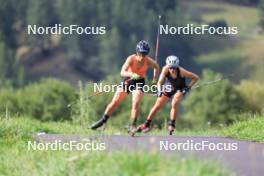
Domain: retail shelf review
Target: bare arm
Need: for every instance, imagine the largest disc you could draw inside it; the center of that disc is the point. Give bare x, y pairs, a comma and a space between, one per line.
190, 75
154, 65
162, 77
124, 72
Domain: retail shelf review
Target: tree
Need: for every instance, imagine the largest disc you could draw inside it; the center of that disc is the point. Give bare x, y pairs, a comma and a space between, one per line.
11, 72
41, 13
12, 20
126, 23
261, 5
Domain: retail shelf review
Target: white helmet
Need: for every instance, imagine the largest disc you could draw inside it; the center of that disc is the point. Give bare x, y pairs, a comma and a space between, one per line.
172, 61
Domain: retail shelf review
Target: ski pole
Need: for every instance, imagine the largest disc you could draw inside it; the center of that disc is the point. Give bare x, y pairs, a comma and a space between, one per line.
212, 82
157, 41
201, 85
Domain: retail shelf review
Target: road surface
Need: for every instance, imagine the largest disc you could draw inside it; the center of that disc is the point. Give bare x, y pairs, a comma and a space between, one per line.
242, 157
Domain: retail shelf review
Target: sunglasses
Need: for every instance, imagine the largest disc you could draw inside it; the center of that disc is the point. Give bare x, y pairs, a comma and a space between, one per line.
172, 68
142, 54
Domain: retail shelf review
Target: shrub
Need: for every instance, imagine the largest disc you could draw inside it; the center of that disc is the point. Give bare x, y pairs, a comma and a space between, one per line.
44, 100
8, 102
89, 110
253, 94
215, 104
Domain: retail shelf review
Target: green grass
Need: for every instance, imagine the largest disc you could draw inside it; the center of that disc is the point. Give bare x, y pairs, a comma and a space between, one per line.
16, 159
19, 162
250, 130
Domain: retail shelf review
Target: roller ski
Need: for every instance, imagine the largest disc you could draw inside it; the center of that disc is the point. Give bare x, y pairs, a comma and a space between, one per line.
144, 128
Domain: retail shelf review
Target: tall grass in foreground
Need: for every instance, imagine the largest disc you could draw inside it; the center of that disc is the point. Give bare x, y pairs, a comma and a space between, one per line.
101, 164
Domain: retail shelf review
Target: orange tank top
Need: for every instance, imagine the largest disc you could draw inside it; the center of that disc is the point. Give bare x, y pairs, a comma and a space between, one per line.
134, 68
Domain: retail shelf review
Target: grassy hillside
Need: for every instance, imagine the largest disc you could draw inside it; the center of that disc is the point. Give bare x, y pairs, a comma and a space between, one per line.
245, 18
242, 54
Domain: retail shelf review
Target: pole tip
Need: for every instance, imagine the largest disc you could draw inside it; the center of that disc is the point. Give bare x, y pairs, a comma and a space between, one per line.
159, 16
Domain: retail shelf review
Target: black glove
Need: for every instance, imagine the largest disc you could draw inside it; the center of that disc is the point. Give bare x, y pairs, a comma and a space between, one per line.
186, 90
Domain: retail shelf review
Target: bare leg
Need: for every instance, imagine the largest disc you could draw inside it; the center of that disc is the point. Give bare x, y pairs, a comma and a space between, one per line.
160, 102
136, 98
175, 101
117, 99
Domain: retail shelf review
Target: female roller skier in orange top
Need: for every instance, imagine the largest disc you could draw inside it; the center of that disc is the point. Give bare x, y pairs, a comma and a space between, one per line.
133, 71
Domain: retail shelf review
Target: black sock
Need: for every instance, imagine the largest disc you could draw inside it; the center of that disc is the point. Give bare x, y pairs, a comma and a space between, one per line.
105, 117
172, 123
148, 122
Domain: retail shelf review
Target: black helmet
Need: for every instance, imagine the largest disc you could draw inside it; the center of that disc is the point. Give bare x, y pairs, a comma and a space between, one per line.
143, 47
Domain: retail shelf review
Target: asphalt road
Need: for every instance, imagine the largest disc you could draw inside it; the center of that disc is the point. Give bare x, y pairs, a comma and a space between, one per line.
242, 157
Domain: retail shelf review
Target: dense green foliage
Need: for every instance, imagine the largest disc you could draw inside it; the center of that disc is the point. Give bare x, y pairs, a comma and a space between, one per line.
126, 23
261, 5
46, 100
95, 56
11, 72
253, 94
216, 104
213, 104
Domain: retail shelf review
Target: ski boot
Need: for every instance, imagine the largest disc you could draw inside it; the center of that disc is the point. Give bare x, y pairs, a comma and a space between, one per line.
99, 123
171, 127
141, 128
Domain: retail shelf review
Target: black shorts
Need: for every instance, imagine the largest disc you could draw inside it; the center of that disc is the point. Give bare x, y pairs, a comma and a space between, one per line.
171, 93
130, 85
